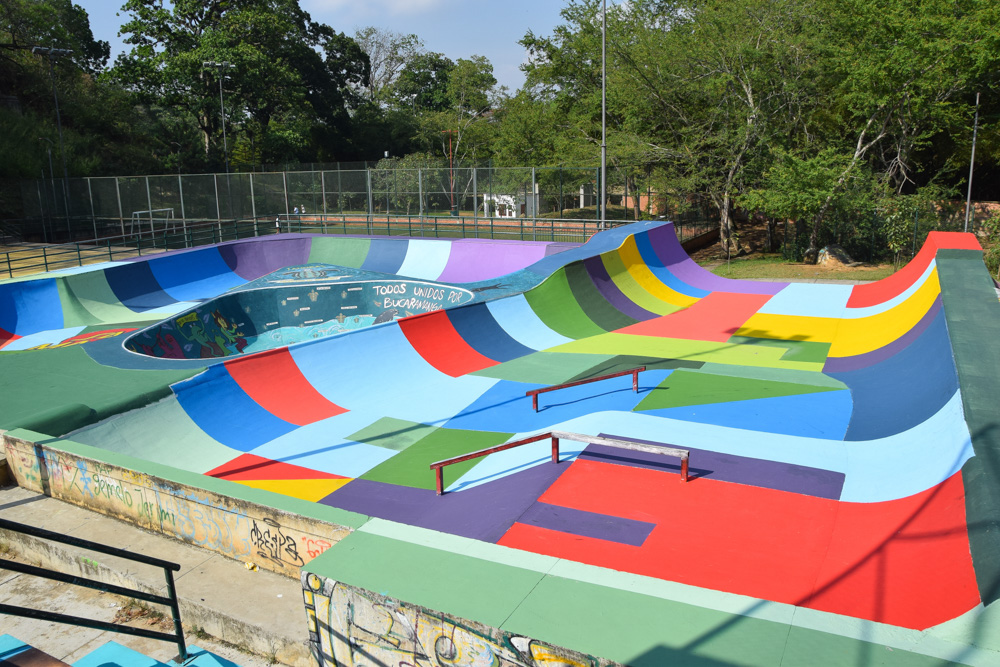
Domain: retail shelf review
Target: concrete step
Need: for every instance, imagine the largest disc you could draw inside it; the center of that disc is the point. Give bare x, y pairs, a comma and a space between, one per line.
261, 612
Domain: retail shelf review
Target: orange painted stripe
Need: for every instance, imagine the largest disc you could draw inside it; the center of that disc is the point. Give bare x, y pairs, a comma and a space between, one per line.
872, 294
716, 317
435, 339
274, 381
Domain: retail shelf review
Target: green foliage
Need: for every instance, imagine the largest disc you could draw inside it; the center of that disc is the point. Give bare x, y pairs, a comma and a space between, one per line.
990, 240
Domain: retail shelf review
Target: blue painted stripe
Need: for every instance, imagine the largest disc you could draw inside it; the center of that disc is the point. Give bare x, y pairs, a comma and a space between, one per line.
30, 306
477, 327
385, 255
213, 398
516, 317
425, 259
136, 287
662, 273
189, 276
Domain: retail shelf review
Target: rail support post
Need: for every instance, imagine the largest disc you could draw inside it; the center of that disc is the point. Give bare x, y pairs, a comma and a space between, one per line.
684, 469
555, 449
439, 480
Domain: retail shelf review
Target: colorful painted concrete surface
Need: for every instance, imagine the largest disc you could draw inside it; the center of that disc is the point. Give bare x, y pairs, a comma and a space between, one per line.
844, 454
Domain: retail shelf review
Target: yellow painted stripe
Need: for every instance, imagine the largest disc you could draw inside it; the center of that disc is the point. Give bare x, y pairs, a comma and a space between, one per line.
614, 263
312, 490
645, 278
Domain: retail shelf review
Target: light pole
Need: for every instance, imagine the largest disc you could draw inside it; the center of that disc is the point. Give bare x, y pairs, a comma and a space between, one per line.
972, 162
222, 105
52, 183
604, 107
56, 53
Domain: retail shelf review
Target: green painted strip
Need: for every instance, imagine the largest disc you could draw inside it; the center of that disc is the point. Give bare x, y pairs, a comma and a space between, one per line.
780, 374
223, 487
339, 251
545, 367
597, 308
973, 315
67, 376
627, 284
91, 293
798, 350
395, 434
74, 314
624, 362
467, 587
686, 388
411, 467
555, 305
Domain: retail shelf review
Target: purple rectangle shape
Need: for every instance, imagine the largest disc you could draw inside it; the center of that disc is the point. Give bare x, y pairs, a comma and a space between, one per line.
727, 468
587, 524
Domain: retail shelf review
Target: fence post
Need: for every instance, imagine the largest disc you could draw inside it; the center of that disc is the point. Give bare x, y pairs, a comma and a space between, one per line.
371, 206
218, 211
149, 203
284, 185
93, 215
322, 187
475, 201
420, 196
121, 214
253, 203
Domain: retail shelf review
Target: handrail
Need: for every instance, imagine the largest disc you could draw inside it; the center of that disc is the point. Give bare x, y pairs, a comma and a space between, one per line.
683, 454
634, 372
168, 569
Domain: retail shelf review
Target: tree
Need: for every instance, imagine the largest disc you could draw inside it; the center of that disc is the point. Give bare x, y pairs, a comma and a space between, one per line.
388, 54
422, 84
283, 72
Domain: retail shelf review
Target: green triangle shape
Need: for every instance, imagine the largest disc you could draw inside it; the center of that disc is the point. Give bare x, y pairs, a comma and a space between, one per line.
682, 388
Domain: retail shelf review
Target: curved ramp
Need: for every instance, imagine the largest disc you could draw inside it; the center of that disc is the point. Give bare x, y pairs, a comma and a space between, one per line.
841, 436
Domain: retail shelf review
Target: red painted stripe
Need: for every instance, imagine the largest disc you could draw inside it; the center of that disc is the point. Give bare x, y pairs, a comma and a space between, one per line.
274, 381
6, 337
872, 294
249, 467
435, 339
715, 318
905, 562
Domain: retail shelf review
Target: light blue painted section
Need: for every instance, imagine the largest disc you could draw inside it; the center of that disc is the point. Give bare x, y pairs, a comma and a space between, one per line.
324, 446
878, 470
199, 657
425, 259
85, 269
11, 646
164, 311
810, 300
514, 460
858, 313
194, 275
42, 338
523, 325
376, 369
113, 654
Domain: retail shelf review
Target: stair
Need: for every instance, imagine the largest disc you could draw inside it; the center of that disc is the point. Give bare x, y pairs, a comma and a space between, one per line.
16, 653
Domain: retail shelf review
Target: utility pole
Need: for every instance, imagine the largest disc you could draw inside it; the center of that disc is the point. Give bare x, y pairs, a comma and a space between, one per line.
972, 162
222, 104
604, 109
57, 53
451, 173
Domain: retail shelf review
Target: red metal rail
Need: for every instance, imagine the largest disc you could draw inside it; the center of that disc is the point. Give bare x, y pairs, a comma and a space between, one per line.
633, 372
683, 454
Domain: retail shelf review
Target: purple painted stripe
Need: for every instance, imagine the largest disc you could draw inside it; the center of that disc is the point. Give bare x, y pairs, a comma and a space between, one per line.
728, 468
253, 258
674, 257
609, 290
471, 260
857, 362
484, 512
587, 524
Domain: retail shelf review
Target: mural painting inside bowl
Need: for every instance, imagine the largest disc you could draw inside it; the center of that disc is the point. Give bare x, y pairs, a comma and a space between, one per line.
289, 306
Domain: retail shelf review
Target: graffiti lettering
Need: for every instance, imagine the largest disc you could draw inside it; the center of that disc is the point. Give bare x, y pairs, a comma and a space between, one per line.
396, 288
315, 547
271, 543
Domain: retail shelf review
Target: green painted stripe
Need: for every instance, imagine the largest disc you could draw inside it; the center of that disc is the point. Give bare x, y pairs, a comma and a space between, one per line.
798, 350
91, 293
691, 388
339, 251
554, 304
223, 487
411, 467
390, 433
74, 314
630, 288
816, 378
545, 367
973, 315
597, 308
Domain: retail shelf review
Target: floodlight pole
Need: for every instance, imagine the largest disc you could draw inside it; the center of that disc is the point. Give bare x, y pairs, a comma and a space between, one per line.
56, 53
972, 161
222, 106
604, 105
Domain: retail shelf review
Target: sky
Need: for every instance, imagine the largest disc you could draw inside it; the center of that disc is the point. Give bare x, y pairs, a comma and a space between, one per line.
456, 28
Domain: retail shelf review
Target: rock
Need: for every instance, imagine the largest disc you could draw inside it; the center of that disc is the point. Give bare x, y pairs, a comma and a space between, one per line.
834, 255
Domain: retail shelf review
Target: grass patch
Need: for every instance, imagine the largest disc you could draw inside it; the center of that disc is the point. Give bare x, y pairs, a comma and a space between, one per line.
775, 267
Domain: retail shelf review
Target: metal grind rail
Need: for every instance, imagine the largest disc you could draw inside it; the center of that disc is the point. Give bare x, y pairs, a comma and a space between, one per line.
168, 569
683, 454
634, 372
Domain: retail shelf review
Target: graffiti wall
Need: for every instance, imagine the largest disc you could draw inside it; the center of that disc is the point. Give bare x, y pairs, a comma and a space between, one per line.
350, 627
290, 306
257, 535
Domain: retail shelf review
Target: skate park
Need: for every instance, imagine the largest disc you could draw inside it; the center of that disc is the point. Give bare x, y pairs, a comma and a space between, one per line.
841, 442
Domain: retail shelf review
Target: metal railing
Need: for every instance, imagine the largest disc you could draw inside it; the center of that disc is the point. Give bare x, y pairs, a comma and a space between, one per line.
168, 569
634, 372
684, 454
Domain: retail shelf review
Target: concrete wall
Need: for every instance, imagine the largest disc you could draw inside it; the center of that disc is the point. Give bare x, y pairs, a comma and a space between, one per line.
350, 626
247, 531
